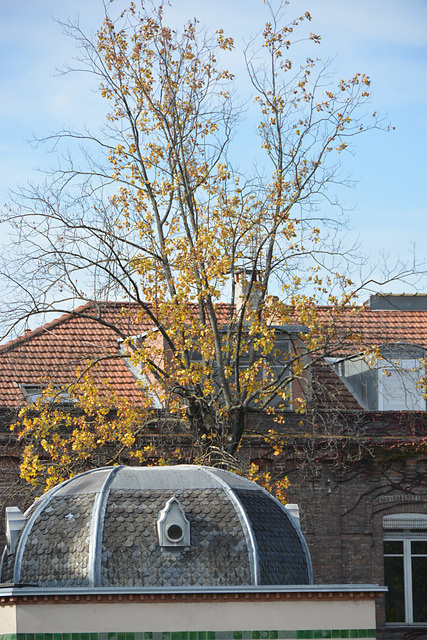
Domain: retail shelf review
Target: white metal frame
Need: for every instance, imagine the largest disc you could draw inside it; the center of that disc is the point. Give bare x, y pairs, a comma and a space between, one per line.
406, 537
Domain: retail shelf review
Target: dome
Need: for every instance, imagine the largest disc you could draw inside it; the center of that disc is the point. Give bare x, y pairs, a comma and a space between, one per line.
146, 527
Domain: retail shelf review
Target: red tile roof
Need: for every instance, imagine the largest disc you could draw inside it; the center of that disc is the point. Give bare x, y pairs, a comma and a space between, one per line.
58, 348
376, 327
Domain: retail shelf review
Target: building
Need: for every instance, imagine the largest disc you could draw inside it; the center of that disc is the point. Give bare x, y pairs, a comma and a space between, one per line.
356, 461
171, 553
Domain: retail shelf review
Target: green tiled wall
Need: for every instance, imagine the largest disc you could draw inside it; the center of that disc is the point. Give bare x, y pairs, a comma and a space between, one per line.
306, 634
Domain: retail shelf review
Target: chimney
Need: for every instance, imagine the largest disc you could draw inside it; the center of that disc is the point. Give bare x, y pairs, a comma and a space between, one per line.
15, 522
294, 511
243, 285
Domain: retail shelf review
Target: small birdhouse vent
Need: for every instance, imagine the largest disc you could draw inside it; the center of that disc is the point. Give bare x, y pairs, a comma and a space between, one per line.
173, 528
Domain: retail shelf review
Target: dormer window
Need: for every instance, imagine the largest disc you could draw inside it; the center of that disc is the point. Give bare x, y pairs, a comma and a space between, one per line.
142, 379
391, 383
34, 392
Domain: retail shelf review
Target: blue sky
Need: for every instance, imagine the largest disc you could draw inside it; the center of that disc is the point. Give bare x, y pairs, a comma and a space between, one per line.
387, 39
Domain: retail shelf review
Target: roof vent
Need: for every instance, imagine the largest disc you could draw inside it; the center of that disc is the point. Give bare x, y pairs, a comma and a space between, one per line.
15, 522
173, 528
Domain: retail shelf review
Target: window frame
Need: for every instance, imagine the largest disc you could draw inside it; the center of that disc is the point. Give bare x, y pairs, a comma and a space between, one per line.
407, 537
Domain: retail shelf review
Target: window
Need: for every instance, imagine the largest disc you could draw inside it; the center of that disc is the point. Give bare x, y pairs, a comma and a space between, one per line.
405, 568
398, 386
33, 393
274, 366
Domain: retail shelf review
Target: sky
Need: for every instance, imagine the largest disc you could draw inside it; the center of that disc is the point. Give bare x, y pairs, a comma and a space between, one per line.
386, 39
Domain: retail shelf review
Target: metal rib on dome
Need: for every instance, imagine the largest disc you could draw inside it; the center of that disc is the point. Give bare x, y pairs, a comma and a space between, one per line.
99, 529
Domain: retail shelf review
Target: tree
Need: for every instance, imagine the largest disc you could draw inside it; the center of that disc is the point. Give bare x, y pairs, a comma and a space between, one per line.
151, 210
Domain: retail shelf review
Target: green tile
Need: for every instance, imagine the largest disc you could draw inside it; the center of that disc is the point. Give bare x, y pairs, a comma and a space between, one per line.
354, 633
120, 636
193, 635
30, 636
363, 633
326, 633
237, 635
74, 636
94, 636
203, 635
129, 635
111, 636
67, 636
264, 634
211, 635
273, 635
58, 636
148, 635
372, 633
336, 633
345, 633
256, 635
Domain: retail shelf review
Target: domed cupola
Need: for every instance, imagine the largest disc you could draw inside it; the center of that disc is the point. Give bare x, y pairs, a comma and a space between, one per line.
155, 527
